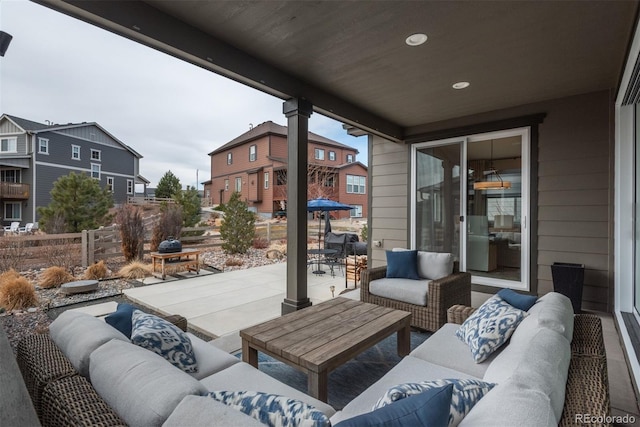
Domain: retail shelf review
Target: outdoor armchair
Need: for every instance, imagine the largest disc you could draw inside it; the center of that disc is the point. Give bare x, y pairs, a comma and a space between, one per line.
441, 294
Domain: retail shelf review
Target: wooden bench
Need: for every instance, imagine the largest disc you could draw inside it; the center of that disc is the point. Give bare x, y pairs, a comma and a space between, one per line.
175, 259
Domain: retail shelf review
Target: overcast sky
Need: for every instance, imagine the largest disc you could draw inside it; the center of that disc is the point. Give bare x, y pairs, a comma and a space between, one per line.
61, 69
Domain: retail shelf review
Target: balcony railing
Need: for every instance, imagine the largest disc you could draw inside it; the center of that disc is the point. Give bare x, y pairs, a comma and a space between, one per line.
12, 190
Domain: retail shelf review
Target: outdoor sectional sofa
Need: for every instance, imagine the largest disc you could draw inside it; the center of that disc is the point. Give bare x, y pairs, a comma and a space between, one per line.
551, 371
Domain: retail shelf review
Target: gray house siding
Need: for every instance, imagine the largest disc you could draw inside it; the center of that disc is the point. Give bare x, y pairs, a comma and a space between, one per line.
388, 216
113, 159
574, 195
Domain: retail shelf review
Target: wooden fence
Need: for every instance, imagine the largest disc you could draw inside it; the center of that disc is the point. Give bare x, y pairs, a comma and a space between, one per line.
95, 245
106, 243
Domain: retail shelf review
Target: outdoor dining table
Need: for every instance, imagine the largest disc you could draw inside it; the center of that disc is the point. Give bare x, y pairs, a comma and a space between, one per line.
319, 254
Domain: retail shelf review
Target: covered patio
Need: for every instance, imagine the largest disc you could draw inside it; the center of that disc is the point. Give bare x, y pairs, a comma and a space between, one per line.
556, 79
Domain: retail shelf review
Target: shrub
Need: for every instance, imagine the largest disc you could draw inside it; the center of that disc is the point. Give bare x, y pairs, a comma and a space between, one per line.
13, 252
364, 233
17, 293
238, 229
8, 275
135, 270
96, 271
260, 243
62, 253
55, 276
169, 224
129, 219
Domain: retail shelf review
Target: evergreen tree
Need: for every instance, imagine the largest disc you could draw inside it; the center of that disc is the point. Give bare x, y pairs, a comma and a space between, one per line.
168, 186
78, 200
238, 228
190, 203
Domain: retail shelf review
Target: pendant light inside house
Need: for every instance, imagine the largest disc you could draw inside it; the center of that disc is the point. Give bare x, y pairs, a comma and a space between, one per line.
493, 179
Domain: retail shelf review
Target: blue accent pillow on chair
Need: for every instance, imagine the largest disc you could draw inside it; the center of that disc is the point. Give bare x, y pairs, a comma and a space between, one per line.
121, 318
523, 302
402, 265
430, 408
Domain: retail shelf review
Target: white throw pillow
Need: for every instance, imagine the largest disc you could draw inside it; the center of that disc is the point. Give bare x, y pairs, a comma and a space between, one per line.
489, 327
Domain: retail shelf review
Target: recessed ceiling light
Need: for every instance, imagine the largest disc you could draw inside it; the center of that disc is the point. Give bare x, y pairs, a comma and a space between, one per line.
461, 85
416, 39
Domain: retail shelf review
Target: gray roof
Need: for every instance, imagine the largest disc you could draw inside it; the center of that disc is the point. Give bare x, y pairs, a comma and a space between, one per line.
271, 128
29, 125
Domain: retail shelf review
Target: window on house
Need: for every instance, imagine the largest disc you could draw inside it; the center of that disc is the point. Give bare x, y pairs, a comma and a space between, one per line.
75, 152
253, 153
349, 158
356, 211
9, 145
356, 184
95, 170
266, 180
319, 154
11, 175
43, 146
13, 211
96, 155
110, 183
239, 185
332, 156
226, 185
229, 158
130, 186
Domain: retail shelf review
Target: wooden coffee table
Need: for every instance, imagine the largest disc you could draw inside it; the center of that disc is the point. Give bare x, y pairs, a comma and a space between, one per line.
320, 338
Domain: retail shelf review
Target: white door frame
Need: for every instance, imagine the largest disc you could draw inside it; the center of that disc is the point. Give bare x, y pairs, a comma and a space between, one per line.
525, 135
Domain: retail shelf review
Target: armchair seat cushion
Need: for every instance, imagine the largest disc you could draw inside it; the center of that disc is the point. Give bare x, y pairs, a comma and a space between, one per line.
405, 290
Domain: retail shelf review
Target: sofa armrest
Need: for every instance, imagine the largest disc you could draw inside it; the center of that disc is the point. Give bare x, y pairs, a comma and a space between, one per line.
178, 320
366, 276
587, 389
459, 313
449, 291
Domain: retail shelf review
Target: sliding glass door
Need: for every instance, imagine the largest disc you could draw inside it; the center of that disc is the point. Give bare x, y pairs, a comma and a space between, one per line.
486, 227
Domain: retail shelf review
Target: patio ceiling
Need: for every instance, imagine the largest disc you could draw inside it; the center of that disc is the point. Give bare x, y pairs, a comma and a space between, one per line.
349, 58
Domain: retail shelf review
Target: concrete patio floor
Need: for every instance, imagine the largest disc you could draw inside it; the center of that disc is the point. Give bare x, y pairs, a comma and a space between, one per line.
219, 305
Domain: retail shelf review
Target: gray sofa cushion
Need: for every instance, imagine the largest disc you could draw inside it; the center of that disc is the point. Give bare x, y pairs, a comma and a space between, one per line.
410, 369
210, 358
405, 290
521, 361
141, 386
79, 334
511, 404
244, 377
445, 349
202, 411
432, 265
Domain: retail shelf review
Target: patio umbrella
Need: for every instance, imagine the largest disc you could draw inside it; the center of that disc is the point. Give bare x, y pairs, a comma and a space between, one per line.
322, 204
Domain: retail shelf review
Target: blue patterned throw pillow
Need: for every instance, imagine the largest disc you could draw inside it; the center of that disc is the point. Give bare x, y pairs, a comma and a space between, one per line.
164, 338
489, 327
466, 393
272, 409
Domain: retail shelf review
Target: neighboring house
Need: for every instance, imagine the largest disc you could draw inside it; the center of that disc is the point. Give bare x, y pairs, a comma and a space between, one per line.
255, 165
34, 155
